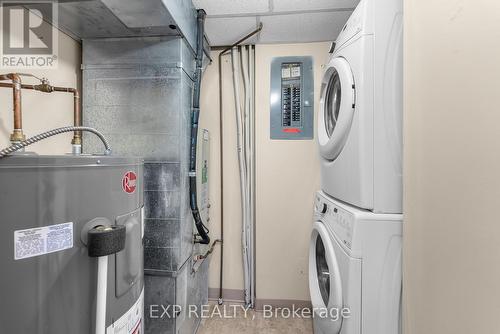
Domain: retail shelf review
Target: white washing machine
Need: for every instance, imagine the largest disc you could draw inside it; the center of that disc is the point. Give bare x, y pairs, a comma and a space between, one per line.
355, 265
360, 118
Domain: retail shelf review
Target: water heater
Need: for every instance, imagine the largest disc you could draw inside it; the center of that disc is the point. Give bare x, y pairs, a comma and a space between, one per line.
48, 204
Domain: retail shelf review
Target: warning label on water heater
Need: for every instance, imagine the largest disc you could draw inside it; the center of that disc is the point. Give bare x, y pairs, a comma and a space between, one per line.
132, 321
42, 240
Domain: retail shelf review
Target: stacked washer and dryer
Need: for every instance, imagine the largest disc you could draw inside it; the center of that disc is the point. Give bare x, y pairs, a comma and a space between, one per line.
355, 251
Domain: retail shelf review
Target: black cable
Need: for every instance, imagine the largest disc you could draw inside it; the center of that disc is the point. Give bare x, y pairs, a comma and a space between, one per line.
202, 230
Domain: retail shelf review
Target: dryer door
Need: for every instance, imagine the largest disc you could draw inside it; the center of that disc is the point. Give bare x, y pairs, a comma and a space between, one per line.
324, 280
337, 104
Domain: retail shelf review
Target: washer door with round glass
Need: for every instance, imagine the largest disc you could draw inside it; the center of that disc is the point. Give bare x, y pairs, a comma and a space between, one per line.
337, 103
324, 281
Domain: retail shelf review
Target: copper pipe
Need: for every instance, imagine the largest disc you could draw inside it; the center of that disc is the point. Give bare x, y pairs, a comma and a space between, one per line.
23, 86
17, 134
46, 88
77, 115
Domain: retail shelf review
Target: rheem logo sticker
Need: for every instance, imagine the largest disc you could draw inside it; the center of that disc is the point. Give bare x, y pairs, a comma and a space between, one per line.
129, 182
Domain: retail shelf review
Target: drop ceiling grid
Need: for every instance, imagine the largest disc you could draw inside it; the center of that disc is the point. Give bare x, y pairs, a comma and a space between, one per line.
321, 20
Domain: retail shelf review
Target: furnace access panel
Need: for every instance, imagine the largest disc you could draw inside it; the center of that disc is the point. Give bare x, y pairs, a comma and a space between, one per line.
292, 93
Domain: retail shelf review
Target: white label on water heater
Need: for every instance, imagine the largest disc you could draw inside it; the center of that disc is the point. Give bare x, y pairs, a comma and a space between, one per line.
132, 321
42, 240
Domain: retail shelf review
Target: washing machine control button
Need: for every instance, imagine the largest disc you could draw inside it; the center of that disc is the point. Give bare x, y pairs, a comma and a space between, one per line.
324, 208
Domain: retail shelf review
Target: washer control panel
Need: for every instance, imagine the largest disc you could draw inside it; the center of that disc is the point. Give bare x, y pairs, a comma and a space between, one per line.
340, 221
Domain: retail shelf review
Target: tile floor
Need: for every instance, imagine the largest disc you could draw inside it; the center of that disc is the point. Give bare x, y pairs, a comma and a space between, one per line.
252, 323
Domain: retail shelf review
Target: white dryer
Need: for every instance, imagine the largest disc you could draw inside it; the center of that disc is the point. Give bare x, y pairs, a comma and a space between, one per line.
360, 118
355, 264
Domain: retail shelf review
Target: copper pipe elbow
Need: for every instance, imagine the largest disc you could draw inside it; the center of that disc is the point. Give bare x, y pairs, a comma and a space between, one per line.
17, 134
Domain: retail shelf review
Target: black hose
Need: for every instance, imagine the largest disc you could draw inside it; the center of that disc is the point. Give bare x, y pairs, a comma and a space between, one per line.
200, 227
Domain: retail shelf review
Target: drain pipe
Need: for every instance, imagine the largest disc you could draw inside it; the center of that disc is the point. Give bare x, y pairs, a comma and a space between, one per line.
221, 159
102, 241
201, 228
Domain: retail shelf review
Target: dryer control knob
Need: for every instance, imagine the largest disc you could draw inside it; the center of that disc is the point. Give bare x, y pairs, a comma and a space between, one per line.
324, 208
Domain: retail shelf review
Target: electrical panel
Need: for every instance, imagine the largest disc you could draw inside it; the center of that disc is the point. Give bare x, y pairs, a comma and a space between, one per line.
292, 93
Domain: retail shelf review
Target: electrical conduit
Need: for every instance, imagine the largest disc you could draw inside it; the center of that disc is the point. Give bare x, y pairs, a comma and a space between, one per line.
251, 174
193, 195
19, 145
242, 169
247, 231
221, 158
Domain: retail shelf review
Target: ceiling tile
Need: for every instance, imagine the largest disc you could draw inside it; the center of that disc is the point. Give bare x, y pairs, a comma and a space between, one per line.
310, 5
232, 7
226, 31
307, 27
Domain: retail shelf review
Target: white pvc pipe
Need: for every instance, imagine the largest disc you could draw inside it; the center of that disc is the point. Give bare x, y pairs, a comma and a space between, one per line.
246, 110
102, 290
246, 150
251, 162
242, 167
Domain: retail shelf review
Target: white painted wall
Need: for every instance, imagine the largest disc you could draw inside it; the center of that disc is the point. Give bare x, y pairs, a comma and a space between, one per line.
43, 111
452, 167
284, 209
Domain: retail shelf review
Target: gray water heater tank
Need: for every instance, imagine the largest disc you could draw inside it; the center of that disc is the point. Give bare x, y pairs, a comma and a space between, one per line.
47, 280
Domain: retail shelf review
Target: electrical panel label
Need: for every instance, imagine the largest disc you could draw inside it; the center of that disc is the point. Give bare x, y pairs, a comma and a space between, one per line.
132, 321
296, 71
285, 73
42, 240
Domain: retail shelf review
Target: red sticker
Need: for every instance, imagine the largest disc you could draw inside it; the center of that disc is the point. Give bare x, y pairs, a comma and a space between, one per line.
291, 130
129, 182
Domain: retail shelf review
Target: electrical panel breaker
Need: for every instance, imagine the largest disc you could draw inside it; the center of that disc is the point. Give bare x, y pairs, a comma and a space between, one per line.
292, 93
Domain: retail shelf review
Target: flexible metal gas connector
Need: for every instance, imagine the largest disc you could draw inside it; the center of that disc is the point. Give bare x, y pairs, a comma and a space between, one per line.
15, 147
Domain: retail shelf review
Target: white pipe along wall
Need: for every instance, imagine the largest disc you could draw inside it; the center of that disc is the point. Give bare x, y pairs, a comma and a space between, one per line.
242, 161
284, 209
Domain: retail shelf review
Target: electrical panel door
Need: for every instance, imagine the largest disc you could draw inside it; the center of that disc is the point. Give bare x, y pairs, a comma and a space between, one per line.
292, 92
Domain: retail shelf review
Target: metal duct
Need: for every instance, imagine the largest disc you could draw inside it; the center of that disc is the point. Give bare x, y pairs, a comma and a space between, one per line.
125, 18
